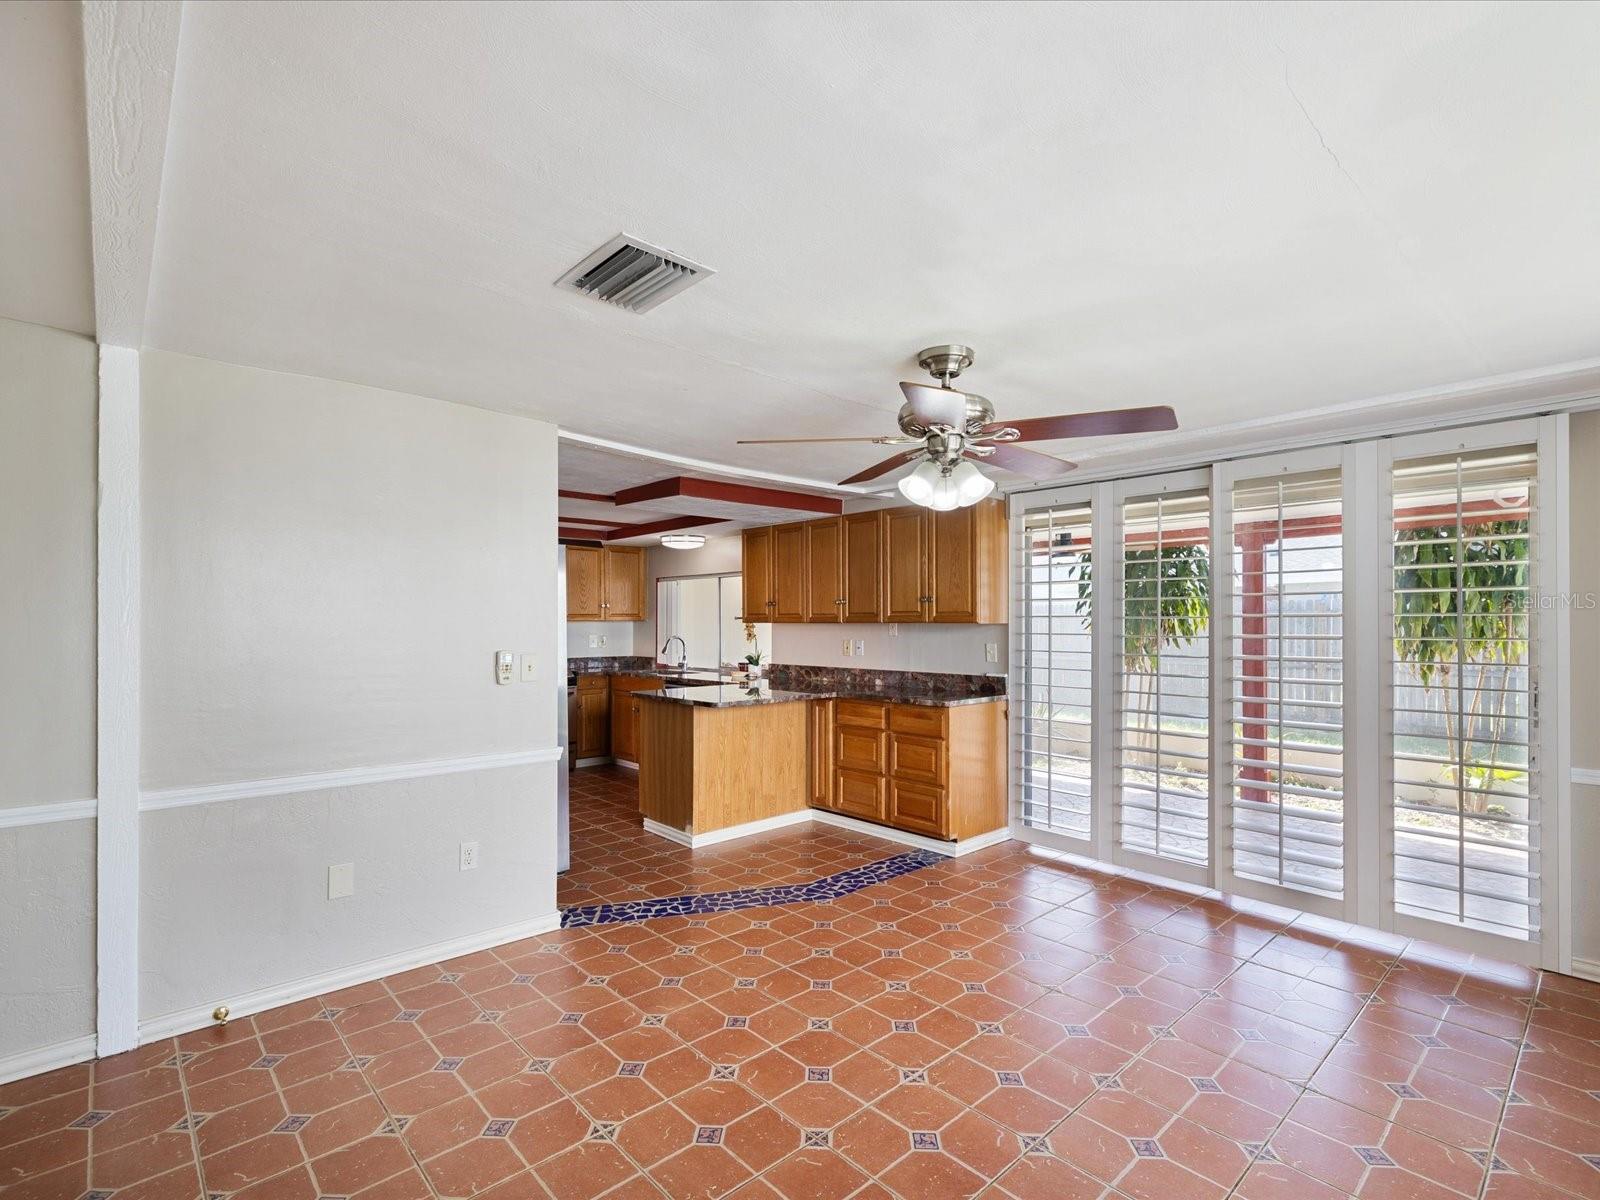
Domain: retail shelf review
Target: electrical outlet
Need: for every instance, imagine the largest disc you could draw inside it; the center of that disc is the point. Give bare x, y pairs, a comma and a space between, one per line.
594, 641
528, 663
469, 856
341, 880
505, 663
894, 630
847, 647
991, 651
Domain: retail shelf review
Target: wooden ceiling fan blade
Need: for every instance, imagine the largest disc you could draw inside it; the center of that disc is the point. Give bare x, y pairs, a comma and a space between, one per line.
1152, 419
1026, 462
883, 468
936, 405
882, 441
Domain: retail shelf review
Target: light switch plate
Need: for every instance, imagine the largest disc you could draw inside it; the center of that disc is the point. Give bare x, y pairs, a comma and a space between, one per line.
991, 651
861, 647
341, 880
529, 664
847, 647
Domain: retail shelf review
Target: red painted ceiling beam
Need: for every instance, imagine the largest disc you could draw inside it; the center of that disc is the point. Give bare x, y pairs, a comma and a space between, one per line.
602, 497
731, 493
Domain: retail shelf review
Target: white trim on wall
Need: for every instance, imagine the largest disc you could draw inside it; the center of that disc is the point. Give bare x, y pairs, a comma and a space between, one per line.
172, 1024
47, 814
46, 1058
288, 785
1586, 776
117, 705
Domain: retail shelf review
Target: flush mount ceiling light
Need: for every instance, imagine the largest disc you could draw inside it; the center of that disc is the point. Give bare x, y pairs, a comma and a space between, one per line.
683, 541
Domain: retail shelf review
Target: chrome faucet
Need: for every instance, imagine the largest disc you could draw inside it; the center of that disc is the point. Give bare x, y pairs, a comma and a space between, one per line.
683, 659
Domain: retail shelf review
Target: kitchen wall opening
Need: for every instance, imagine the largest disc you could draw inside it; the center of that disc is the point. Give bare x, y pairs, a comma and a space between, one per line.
705, 611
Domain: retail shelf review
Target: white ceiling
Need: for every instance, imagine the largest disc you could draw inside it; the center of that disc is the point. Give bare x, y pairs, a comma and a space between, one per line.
1251, 212
44, 168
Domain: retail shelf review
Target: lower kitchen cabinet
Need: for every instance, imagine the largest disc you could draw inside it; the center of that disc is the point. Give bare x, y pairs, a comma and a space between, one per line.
592, 737
625, 714
939, 772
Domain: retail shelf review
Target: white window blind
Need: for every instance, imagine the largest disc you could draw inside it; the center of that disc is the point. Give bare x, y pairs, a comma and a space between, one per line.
1056, 670
1163, 651
1287, 761
1466, 805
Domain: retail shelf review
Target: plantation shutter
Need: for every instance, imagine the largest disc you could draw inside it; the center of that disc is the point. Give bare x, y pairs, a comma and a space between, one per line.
1466, 804
1287, 681
1056, 665
1163, 650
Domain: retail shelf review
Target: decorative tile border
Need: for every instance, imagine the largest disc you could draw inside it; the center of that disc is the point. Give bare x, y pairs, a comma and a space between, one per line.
830, 887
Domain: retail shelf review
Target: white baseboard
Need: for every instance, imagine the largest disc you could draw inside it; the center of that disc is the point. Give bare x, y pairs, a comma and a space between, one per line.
764, 825
304, 988
950, 849
46, 1058
681, 836
1586, 968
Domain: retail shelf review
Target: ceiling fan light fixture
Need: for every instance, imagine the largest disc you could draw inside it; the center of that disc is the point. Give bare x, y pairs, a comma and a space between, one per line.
683, 541
972, 484
946, 493
918, 486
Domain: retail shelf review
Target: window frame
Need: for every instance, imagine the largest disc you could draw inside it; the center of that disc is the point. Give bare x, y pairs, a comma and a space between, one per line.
1365, 466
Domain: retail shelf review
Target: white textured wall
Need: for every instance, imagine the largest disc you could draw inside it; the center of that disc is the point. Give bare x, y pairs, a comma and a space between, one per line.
948, 648
619, 636
328, 570
47, 683
47, 565
1585, 563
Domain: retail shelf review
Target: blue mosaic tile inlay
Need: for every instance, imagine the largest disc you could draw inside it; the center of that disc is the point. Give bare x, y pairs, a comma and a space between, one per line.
831, 887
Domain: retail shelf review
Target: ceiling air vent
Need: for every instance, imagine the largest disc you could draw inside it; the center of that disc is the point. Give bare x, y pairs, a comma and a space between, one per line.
632, 274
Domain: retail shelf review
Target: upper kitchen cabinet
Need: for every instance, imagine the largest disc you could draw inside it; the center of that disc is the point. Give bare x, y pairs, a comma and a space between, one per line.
757, 574
789, 572
825, 599
898, 564
605, 583
967, 564
861, 541
905, 564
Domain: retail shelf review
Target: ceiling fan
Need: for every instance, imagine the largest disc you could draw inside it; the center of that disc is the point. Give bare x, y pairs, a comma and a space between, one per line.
951, 429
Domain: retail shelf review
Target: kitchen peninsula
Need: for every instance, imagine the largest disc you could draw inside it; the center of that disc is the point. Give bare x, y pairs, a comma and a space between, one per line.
716, 757
726, 760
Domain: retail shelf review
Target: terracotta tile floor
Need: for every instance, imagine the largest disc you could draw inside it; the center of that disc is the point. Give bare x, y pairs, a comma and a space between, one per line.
1007, 1024
615, 860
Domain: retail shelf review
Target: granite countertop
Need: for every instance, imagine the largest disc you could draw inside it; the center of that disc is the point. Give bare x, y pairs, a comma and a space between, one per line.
725, 695
730, 694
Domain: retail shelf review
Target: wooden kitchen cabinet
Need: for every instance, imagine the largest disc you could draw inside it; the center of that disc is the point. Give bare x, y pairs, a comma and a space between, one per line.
821, 753
585, 583
757, 573
939, 772
789, 572
605, 583
593, 734
861, 568
625, 714
890, 565
824, 570
905, 564
624, 583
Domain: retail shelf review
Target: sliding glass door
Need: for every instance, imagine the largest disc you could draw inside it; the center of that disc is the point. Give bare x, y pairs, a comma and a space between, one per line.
1312, 678
1162, 640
